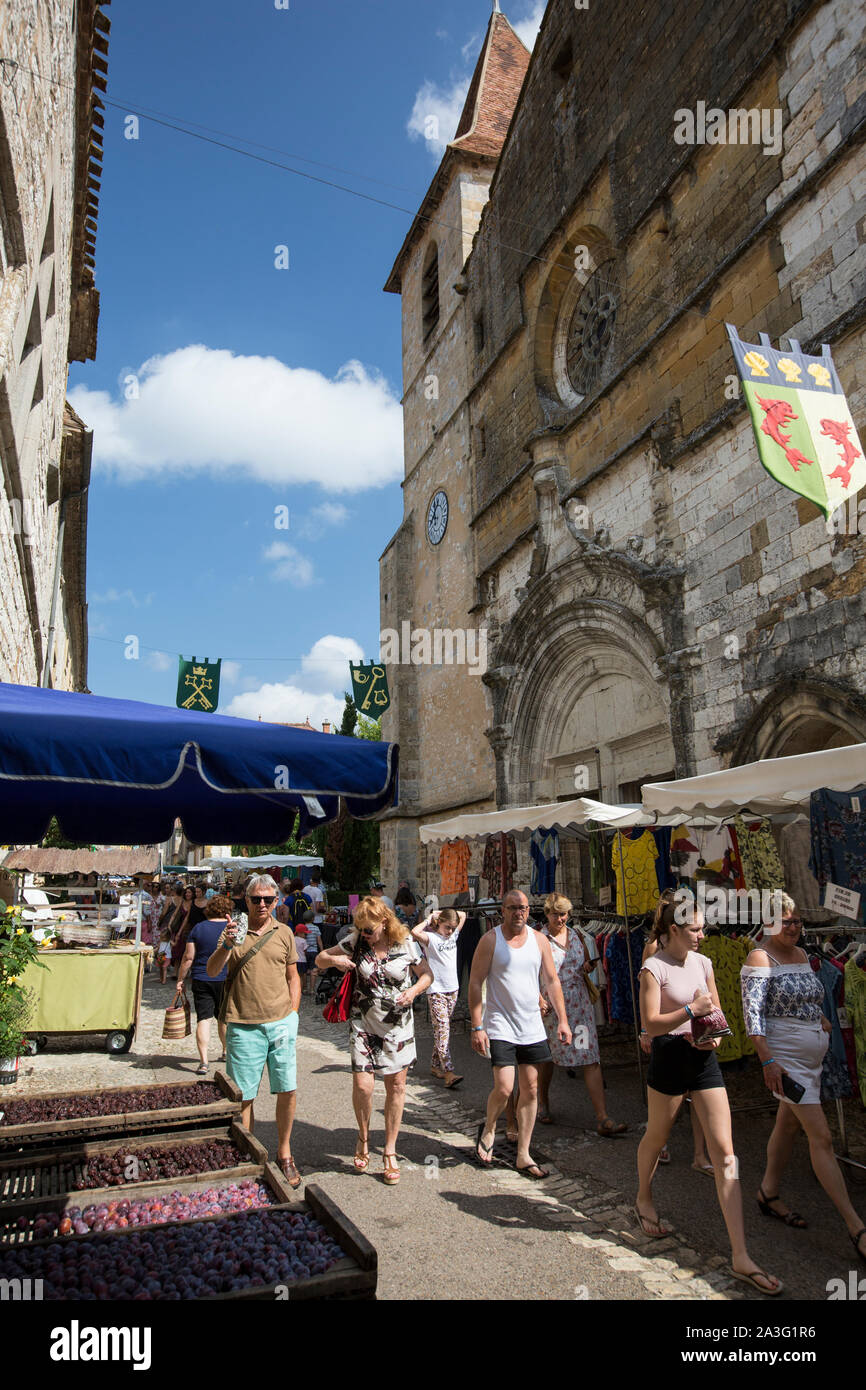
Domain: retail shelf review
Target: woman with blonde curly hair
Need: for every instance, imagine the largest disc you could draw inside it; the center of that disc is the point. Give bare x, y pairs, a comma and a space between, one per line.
384, 956
573, 968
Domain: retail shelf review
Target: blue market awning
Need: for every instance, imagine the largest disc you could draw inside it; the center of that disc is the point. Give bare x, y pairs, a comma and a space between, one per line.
121, 772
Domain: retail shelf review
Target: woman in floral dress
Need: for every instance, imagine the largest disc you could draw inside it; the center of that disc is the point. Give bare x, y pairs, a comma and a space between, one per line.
572, 967
385, 958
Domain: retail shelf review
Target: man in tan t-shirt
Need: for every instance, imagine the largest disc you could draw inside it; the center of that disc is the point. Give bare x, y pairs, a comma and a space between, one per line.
261, 1000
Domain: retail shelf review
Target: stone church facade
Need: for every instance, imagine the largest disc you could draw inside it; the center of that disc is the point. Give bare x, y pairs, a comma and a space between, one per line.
655, 604
54, 66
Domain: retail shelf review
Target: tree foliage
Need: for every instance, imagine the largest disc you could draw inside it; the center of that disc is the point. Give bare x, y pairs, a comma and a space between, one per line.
350, 848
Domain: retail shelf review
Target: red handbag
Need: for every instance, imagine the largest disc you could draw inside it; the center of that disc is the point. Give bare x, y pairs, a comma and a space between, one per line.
712, 1025
339, 1006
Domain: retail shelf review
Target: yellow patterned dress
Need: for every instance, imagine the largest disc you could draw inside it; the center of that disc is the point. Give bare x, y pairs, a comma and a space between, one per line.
639, 857
728, 957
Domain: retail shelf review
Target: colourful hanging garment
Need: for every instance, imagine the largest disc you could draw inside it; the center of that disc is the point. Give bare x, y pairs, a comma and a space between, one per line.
641, 890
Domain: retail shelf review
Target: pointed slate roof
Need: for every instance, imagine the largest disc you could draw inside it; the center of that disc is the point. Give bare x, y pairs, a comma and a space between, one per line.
483, 124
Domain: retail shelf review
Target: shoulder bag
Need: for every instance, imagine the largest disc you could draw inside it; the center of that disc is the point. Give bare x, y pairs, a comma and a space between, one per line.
230, 979
339, 1006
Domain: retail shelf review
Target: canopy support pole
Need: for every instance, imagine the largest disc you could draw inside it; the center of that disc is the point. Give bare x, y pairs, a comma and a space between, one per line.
634, 1004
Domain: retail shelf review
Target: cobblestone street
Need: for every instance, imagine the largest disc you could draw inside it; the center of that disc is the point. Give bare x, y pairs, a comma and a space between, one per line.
449, 1229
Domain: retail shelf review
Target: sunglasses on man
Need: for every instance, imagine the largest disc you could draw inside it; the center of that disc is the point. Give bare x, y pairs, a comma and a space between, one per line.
256, 898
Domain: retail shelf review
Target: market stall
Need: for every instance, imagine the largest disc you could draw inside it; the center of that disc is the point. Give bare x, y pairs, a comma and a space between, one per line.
790, 792
89, 978
112, 770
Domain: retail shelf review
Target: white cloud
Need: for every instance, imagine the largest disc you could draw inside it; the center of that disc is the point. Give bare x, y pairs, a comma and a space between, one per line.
324, 669
436, 113
230, 672
311, 526
437, 107
527, 29
201, 409
326, 664
121, 596
289, 564
160, 661
284, 703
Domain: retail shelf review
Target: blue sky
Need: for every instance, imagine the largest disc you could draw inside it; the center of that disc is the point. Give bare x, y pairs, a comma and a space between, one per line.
229, 395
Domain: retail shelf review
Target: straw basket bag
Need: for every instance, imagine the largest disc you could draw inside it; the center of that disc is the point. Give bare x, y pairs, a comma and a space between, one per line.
177, 1018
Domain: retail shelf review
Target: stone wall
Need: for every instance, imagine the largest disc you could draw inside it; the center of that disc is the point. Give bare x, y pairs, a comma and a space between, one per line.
40, 139
631, 542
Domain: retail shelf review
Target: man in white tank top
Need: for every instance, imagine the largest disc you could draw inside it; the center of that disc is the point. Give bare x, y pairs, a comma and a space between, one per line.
512, 1033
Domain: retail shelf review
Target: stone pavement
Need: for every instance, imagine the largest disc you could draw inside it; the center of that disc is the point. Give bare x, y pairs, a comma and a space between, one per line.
451, 1228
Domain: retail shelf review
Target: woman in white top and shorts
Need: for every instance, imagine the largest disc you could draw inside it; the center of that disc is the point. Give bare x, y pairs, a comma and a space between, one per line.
677, 986
438, 935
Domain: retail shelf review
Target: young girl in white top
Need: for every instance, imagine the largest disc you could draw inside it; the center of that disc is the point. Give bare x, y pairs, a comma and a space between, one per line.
676, 987
438, 935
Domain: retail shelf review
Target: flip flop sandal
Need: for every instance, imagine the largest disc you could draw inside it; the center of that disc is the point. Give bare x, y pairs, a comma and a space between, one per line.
452, 1082
752, 1278
609, 1130
644, 1221
533, 1172
664, 1156
485, 1148
706, 1168
545, 1117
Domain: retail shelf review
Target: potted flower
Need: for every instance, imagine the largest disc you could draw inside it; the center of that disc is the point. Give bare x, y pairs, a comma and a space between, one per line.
17, 951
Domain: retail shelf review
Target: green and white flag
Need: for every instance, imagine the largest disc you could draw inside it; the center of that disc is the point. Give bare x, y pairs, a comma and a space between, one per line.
198, 684
804, 430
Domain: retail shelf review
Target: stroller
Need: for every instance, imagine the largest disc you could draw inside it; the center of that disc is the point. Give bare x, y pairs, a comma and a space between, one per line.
327, 984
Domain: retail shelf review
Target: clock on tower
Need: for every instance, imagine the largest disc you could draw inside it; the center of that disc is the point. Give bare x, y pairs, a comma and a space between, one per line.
437, 517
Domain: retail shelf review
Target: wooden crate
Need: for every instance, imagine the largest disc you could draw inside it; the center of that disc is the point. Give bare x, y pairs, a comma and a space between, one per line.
353, 1277
45, 1174
54, 1134
30, 1207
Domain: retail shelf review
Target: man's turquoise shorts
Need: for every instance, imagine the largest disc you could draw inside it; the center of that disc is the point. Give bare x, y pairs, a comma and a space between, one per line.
250, 1045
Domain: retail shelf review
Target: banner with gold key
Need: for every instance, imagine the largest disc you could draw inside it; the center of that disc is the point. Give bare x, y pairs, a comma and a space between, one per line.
804, 430
370, 688
198, 684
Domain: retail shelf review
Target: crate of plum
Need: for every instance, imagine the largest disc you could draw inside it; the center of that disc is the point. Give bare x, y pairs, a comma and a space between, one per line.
97, 1169
53, 1119
250, 1239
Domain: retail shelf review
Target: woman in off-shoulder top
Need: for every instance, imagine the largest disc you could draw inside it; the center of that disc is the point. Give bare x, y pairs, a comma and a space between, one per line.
782, 1006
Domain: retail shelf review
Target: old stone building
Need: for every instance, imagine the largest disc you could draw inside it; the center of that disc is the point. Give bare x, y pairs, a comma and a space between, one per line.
52, 69
655, 604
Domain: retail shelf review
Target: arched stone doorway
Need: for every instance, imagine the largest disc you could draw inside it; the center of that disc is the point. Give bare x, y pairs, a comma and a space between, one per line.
803, 718
583, 710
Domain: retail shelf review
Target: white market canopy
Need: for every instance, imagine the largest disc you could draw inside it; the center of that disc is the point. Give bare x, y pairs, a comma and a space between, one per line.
280, 861
772, 787
775, 787
565, 817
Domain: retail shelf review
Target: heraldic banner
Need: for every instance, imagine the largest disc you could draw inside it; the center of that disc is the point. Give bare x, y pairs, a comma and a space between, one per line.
805, 433
370, 688
198, 685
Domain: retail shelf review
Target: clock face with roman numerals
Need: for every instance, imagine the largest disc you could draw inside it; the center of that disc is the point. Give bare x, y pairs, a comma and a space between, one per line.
437, 517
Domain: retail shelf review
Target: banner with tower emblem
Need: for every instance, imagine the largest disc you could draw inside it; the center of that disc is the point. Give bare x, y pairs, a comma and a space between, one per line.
370, 688
198, 684
804, 430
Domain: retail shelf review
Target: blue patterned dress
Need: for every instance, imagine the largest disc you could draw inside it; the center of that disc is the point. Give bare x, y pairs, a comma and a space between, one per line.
783, 1003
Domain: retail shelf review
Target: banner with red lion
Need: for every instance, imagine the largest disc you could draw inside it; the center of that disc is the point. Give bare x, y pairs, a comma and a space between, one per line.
805, 433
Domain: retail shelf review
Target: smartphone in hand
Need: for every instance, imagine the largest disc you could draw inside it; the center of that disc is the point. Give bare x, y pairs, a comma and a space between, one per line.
793, 1090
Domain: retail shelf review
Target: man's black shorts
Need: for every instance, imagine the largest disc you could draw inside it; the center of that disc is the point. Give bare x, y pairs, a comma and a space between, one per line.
207, 996
509, 1054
